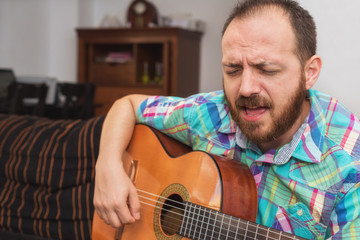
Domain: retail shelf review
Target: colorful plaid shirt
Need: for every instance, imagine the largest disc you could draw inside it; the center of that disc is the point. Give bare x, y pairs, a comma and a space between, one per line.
310, 187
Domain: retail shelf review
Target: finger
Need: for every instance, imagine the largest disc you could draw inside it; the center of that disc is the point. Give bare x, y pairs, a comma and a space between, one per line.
134, 205
124, 215
113, 219
102, 215
107, 215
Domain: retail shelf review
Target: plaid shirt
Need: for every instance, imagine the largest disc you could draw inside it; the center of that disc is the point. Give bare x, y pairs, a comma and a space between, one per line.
309, 187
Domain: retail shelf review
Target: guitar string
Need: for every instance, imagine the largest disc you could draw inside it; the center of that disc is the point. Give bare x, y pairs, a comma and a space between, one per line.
215, 226
270, 230
194, 230
180, 203
229, 217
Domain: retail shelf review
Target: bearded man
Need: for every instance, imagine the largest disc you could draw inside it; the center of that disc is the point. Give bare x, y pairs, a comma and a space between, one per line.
301, 145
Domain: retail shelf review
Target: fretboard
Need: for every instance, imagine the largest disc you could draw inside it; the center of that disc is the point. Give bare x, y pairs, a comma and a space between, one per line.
200, 223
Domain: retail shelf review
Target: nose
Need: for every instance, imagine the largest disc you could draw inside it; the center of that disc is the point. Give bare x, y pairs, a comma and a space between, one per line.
249, 84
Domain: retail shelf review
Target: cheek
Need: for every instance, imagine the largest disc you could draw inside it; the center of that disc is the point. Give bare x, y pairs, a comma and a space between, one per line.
280, 95
231, 87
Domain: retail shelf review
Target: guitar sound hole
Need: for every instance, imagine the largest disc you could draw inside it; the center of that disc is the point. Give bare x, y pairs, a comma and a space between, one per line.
172, 214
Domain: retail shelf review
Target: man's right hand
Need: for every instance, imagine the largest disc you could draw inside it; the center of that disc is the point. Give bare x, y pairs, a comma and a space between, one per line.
115, 198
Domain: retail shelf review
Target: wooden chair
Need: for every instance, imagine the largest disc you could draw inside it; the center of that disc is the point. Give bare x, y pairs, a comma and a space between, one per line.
27, 99
79, 100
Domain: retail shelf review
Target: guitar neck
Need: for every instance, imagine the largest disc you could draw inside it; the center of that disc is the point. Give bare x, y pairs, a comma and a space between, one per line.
200, 223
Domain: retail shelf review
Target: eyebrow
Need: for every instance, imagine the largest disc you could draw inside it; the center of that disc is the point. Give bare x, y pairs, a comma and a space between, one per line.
233, 65
257, 65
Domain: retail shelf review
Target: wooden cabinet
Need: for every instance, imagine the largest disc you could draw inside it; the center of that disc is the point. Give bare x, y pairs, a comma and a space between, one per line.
116, 61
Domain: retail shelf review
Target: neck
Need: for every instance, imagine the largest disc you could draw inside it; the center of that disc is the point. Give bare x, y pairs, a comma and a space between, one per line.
287, 136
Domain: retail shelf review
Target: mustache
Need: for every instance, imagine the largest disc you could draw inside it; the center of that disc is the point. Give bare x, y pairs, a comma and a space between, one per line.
253, 101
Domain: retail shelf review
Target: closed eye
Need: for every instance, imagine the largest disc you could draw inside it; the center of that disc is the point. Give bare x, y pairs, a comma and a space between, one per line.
232, 72
233, 69
266, 68
269, 72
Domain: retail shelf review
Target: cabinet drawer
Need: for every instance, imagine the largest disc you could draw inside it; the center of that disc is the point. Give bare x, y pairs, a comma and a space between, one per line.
106, 96
112, 74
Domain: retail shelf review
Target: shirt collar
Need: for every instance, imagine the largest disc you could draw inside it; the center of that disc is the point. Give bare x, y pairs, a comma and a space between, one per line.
306, 143
312, 140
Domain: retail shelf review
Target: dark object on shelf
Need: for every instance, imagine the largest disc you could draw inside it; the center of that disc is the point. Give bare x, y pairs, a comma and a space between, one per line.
7, 77
27, 99
79, 100
141, 14
51, 83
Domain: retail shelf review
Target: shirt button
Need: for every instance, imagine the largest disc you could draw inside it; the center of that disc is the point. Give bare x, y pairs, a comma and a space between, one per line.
259, 164
299, 212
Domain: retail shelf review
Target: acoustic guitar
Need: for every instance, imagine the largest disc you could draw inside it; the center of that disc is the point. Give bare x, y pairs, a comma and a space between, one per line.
187, 194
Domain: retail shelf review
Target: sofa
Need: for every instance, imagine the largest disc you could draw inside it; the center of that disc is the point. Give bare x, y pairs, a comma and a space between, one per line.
47, 177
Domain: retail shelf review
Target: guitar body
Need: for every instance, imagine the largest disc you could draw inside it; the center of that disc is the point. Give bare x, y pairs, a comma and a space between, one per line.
164, 171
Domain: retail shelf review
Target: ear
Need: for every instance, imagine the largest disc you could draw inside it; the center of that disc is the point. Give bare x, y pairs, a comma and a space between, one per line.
312, 70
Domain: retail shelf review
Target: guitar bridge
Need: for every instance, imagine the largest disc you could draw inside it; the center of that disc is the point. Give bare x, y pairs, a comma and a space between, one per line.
133, 170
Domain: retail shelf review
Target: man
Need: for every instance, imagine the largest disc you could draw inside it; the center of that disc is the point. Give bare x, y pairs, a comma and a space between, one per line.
301, 145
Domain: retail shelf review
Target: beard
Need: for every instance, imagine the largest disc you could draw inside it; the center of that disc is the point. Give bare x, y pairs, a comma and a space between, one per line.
281, 120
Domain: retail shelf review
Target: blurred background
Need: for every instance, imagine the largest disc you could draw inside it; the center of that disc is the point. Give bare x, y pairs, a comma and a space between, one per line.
38, 38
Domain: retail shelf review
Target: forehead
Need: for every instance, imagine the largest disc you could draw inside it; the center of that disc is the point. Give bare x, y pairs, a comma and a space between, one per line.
267, 31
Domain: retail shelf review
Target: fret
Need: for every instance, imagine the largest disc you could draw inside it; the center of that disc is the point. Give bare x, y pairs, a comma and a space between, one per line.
224, 226
215, 229
208, 225
251, 230
274, 234
270, 233
195, 228
191, 216
200, 220
241, 228
220, 224
232, 228
246, 229
256, 233
263, 232
237, 229
185, 222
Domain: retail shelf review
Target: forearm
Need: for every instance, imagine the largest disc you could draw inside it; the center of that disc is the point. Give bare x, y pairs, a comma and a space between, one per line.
118, 127
115, 197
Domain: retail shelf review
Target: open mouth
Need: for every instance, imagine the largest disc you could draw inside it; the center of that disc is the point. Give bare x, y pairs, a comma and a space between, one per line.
253, 112
253, 108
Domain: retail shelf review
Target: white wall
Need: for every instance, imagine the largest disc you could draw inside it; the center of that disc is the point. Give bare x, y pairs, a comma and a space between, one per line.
24, 35
38, 37
63, 59
339, 46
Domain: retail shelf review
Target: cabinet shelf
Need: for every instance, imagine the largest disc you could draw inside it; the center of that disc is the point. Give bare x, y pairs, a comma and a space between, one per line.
116, 59
111, 61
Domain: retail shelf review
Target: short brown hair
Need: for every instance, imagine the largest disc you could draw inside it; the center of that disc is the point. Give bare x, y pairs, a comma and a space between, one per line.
300, 19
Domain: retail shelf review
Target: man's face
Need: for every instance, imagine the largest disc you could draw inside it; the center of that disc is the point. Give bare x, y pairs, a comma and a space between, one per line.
264, 81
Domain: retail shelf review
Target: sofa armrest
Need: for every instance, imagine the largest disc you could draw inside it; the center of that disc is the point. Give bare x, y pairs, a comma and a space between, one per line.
47, 170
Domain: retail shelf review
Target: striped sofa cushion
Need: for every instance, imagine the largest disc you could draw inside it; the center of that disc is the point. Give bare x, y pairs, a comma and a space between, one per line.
47, 175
